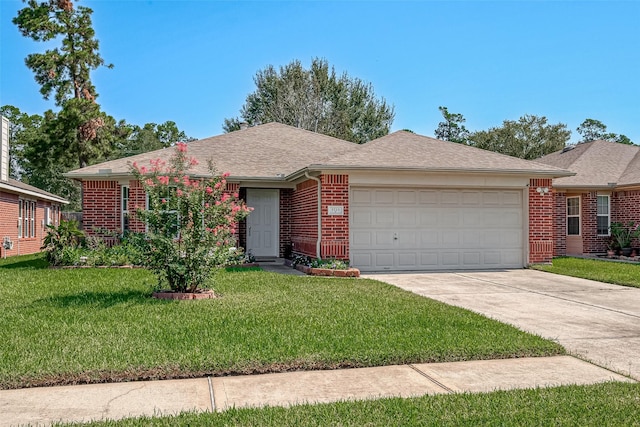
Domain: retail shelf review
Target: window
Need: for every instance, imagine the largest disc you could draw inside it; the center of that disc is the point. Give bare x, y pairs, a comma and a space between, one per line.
573, 216
125, 207
20, 215
26, 218
32, 220
603, 215
167, 202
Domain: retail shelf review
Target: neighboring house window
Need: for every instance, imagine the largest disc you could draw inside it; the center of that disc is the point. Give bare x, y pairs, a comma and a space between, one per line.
26, 218
20, 215
125, 208
573, 216
603, 217
32, 220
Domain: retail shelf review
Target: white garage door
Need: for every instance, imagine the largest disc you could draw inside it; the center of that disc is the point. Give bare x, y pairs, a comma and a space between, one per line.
435, 229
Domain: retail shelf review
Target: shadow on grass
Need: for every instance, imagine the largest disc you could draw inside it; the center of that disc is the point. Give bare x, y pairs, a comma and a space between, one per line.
99, 299
29, 263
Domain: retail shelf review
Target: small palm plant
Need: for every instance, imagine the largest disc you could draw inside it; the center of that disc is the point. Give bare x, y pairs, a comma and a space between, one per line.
65, 237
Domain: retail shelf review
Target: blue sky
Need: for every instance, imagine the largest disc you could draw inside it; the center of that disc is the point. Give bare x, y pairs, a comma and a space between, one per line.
193, 62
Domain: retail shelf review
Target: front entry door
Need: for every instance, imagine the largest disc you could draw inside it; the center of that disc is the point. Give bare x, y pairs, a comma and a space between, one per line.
263, 222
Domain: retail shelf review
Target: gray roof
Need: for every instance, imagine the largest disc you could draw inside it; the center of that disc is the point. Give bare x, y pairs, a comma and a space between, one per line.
407, 150
29, 190
275, 151
260, 152
597, 164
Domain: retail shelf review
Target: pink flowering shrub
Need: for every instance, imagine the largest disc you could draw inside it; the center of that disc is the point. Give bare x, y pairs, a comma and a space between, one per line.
191, 221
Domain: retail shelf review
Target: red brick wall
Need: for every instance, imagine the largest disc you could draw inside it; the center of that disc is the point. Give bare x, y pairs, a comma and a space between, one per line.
286, 196
9, 225
335, 228
541, 223
101, 208
304, 218
560, 223
242, 227
625, 207
137, 199
591, 242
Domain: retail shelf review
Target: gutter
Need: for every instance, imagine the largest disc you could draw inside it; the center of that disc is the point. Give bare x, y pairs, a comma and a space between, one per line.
306, 173
538, 173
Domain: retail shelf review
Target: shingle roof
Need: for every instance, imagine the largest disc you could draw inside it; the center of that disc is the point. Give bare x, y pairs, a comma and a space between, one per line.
273, 151
264, 151
406, 150
597, 164
30, 190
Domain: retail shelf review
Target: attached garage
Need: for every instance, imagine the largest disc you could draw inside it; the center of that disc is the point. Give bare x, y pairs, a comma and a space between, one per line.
436, 228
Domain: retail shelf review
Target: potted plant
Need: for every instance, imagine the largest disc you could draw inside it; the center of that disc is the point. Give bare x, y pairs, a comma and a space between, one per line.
624, 235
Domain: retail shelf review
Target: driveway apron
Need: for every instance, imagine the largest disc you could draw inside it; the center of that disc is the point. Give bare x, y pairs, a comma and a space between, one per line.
596, 321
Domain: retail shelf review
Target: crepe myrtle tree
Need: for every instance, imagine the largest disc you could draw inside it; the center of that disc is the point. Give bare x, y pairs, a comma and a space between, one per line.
191, 221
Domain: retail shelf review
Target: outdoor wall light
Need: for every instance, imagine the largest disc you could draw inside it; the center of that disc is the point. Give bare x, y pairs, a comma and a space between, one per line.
542, 190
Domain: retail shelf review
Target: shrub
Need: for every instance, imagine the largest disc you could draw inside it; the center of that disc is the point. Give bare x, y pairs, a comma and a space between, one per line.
625, 233
191, 221
61, 243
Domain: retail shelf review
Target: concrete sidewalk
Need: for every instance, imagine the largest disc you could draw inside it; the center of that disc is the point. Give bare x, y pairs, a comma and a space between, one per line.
43, 406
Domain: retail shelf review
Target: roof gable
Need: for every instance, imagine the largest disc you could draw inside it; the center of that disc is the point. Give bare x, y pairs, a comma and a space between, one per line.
407, 150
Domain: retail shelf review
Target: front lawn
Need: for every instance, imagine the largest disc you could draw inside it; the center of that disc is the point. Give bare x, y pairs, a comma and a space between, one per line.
610, 404
618, 273
92, 325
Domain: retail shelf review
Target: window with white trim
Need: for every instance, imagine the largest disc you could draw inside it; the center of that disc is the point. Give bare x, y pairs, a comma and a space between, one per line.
32, 220
573, 216
26, 218
125, 208
20, 215
603, 217
167, 202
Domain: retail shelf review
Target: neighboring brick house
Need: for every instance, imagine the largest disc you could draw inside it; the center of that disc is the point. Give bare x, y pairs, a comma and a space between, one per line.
24, 210
401, 202
604, 189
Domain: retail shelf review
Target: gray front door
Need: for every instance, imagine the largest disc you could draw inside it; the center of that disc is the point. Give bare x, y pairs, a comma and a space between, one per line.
263, 222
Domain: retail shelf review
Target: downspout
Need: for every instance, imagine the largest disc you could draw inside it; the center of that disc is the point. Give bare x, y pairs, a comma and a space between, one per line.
306, 173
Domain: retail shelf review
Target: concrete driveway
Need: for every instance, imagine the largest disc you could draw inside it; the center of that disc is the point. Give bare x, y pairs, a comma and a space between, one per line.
596, 321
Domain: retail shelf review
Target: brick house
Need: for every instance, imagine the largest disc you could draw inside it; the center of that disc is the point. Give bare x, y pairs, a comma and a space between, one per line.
401, 202
604, 189
24, 210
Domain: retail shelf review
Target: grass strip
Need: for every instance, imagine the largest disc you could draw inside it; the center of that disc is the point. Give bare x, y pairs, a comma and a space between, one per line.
618, 273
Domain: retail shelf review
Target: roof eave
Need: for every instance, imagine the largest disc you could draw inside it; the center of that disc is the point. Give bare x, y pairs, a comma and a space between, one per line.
536, 172
14, 189
596, 187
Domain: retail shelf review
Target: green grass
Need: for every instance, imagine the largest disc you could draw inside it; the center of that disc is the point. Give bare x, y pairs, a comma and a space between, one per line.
610, 404
603, 271
68, 326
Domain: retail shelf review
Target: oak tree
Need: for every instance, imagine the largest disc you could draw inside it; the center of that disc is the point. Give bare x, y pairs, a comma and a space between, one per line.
529, 137
316, 99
